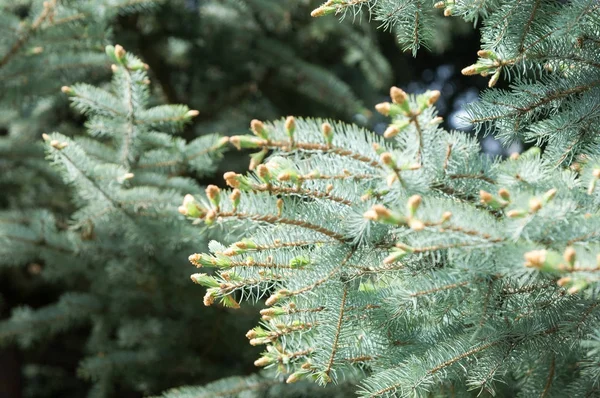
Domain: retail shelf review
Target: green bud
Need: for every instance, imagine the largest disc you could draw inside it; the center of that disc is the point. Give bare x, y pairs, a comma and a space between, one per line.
288, 175
191, 208
544, 260
396, 255
299, 262
246, 141
205, 280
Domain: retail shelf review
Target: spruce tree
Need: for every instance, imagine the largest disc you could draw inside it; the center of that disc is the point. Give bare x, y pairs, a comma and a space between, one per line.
93, 274
412, 261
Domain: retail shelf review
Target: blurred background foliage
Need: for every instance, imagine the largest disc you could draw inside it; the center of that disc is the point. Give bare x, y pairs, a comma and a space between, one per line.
233, 61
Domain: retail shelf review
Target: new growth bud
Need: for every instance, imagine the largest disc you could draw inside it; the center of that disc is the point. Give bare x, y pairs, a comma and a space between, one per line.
433, 97
383, 108
569, 255
391, 131
377, 212
387, 159
413, 204
213, 193
232, 179
327, 133
535, 205
119, 52
258, 128
235, 198
398, 95
290, 127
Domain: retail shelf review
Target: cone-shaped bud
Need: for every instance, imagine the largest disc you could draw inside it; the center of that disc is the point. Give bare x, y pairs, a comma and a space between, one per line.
191, 208
446, 216
263, 173
259, 130
263, 361
294, 377
396, 255
485, 197
387, 159
288, 175
391, 131
549, 195
439, 4
504, 194
565, 280
596, 173
246, 141
67, 90
213, 193
204, 280
472, 70
544, 260
279, 207
495, 78
383, 108
487, 54
202, 260
396, 127
45, 137
321, 11
232, 179
489, 199
119, 53
235, 196
382, 214
398, 95
290, 126
232, 251
209, 297
246, 244
377, 213
275, 311
434, 95
516, 213
274, 298
569, 255
251, 334
327, 133
412, 205
210, 217
192, 113
535, 205
416, 225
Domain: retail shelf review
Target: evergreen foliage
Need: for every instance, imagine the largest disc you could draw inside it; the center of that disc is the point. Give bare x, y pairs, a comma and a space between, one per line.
433, 269
94, 246
234, 60
126, 282
547, 50
417, 259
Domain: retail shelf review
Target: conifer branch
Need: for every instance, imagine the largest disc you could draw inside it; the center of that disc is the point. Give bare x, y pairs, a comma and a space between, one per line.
272, 219
338, 329
46, 13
